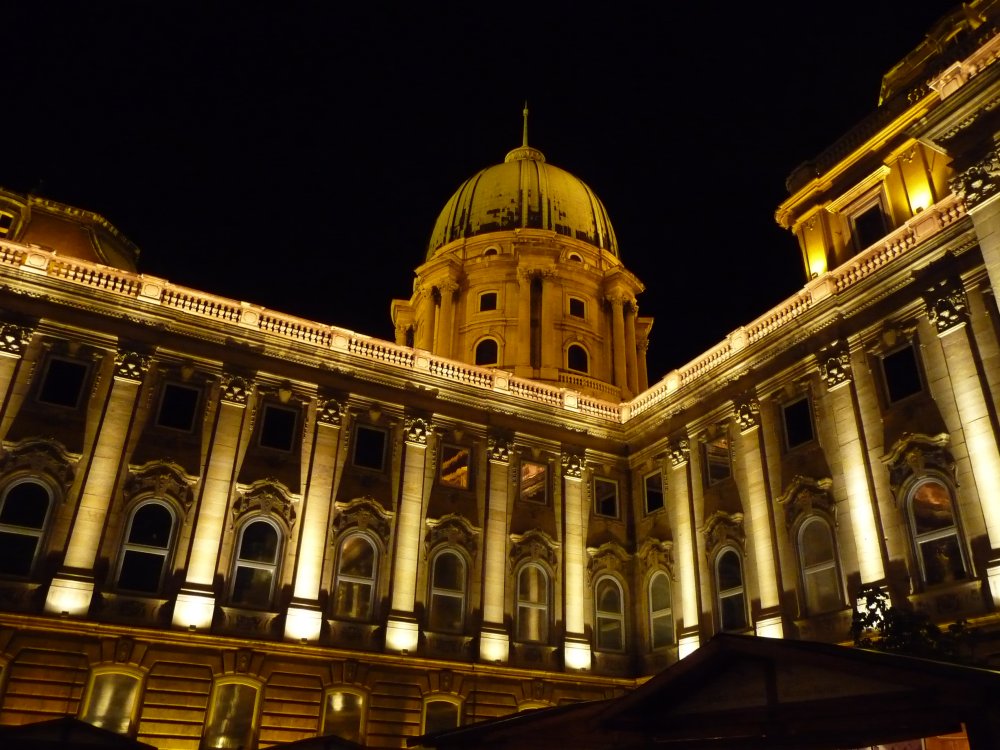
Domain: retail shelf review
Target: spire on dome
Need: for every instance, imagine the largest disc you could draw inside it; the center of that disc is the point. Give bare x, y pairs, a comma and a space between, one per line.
524, 151
524, 140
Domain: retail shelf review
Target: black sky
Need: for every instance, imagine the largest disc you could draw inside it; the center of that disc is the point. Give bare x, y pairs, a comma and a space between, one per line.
296, 155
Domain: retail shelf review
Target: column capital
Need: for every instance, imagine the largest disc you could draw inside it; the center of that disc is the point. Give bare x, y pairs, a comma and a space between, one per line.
835, 364
947, 306
416, 430
746, 411
680, 452
329, 411
499, 449
448, 286
131, 366
14, 338
619, 299
235, 389
573, 464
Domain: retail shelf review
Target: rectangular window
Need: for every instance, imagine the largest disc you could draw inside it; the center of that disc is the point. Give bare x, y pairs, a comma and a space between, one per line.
369, 447
606, 497
577, 307
277, 428
487, 301
534, 484
653, 489
902, 374
6, 223
63, 382
797, 418
868, 226
455, 461
717, 463
178, 407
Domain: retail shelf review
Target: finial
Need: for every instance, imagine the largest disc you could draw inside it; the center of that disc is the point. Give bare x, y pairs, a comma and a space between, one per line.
524, 140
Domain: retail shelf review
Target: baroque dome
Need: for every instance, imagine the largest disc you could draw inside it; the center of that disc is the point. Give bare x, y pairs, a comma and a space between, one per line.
524, 192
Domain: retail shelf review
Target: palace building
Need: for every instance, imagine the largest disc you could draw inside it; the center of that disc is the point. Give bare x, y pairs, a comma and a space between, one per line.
225, 526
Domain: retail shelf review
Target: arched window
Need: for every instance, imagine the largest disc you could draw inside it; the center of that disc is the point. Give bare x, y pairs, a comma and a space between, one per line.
441, 714
818, 558
447, 605
532, 604
934, 528
111, 700
661, 618
256, 567
147, 550
577, 359
357, 567
344, 714
24, 512
487, 352
729, 583
610, 615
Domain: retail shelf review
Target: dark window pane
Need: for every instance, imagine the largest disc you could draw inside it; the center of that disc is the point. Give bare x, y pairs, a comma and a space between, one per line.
63, 383
534, 482
576, 307
252, 587
259, 543
487, 301
717, 466
446, 614
26, 505
342, 715
141, 571
902, 374
178, 406
369, 448
932, 509
730, 571
942, 560
17, 553
357, 557
798, 422
869, 227
440, 715
654, 492
449, 573
576, 359
278, 428
455, 467
734, 616
151, 526
606, 498
487, 352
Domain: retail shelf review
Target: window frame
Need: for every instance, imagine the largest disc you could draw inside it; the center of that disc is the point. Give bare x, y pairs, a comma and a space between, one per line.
615, 617
440, 698
919, 539
910, 345
7, 229
733, 591
213, 706
545, 482
483, 303
445, 447
544, 607
660, 614
40, 534
617, 498
786, 433
807, 573
436, 592
363, 719
645, 491
194, 413
358, 427
582, 315
479, 344
166, 553
133, 713
238, 562
578, 347
341, 577
296, 416
86, 367
707, 460
870, 202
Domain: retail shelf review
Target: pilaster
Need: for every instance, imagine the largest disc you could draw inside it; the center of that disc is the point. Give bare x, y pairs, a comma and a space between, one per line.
576, 647
494, 641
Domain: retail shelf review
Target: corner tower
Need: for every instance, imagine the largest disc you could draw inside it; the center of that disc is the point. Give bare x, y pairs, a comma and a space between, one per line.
523, 273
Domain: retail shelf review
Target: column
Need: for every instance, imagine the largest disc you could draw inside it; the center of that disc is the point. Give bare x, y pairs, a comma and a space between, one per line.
73, 586
551, 342
758, 495
402, 632
836, 371
195, 605
14, 340
618, 341
576, 652
947, 310
642, 345
687, 547
494, 641
424, 338
445, 346
631, 366
522, 346
304, 620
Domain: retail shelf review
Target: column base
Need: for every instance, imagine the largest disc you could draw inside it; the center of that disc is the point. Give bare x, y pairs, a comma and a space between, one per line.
494, 645
70, 595
402, 635
576, 654
194, 610
303, 623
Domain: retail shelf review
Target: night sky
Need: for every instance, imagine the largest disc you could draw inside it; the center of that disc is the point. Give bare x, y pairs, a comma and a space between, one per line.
296, 155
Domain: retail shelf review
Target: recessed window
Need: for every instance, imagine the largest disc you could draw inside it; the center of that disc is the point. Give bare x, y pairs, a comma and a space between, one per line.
111, 701
24, 511
606, 497
447, 606
817, 556
718, 466
344, 715
490, 252
6, 223
729, 583
902, 374
487, 353
797, 418
357, 566
610, 615
369, 447
532, 605
147, 548
232, 716
936, 537
63, 382
277, 428
653, 489
440, 715
661, 619
575, 257
577, 359
534, 482
455, 461
256, 567
577, 307
869, 226
178, 407
487, 301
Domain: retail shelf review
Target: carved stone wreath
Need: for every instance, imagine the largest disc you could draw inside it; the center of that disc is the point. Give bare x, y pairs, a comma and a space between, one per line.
365, 514
806, 495
608, 558
267, 497
722, 528
161, 479
534, 545
453, 530
33, 456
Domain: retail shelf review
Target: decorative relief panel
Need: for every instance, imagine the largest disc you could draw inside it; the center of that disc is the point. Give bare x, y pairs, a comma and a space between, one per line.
365, 514
978, 182
722, 528
835, 364
535, 545
131, 366
806, 495
914, 455
330, 411
268, 497
34, 456
680, 452
235, 389
572, 464
608, 558
947, 307
746, 411
162, 480
454, 530
14, 339
416, 430
654, 554
499, 449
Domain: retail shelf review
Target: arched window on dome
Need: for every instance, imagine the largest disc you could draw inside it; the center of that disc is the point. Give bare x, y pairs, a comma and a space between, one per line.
577, 358
24, 513
575, 257
490, 252
487, 353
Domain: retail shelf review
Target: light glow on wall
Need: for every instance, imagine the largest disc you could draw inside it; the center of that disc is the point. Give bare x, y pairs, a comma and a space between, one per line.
687, 645
577, 654
303, 625
493, 647
770, 627
69, 596
401, 636
194, 611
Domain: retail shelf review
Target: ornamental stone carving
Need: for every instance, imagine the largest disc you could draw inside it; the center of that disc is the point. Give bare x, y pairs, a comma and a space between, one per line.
160, 479
534, 546
654, 555
608, 558
131, 366
13, 339
364, 514
835, 364
267, 497
746, 412
572, 465
806, 495
235, 389
329, 411
499, 449
453, 530
721, 528
914, 455
979, 182
947, 307
35, 457
416, 430
680, 452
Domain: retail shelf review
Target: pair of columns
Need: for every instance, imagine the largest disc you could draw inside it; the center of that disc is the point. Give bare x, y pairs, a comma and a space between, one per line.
625, 354
435, 318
